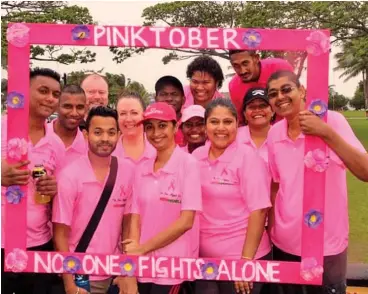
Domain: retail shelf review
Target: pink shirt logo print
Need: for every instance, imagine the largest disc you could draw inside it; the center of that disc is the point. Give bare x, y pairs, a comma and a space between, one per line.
121, 199
224, 178
171, 195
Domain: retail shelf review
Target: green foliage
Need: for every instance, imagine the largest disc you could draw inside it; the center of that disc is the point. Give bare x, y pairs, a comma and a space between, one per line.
46, 12
358, 101
337, 101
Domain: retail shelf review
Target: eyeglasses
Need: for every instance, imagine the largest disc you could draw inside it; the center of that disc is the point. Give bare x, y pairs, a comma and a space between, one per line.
284, 90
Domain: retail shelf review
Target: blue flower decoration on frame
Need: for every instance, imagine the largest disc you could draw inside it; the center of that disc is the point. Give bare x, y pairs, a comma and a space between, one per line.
252, 39
80, 32
71, 264
318, 107
313, 218
127, 267
14, 194
209, 270
15, 100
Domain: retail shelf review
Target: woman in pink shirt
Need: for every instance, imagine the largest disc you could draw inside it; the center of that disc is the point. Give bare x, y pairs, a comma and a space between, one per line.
257, 114
206, 77
166, 197
132, 143
236, 198
192, 125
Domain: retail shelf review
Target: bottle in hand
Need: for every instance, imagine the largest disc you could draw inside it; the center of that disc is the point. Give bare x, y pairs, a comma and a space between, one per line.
82, 281
38, 172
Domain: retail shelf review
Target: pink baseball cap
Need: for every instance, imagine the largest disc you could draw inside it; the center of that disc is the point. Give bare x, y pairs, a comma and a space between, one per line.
192, 111
160, 111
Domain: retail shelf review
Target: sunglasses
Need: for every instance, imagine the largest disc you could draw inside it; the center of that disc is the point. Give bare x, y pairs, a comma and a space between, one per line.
284, 90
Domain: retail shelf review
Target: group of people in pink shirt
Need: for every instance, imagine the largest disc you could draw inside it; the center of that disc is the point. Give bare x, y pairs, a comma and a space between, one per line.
192, 175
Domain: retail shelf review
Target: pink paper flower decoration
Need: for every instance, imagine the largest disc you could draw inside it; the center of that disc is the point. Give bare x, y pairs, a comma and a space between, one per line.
318, 43
18, 35
316, 160
17, 147
310, 269
16, 260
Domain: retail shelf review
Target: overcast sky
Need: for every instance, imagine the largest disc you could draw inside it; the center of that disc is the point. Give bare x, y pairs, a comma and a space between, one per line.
148, 67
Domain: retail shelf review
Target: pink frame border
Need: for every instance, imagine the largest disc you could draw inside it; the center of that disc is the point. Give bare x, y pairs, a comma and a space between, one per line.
315, 42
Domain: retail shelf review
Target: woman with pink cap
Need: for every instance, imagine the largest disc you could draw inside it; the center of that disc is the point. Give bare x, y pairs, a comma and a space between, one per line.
236, 198
192, 126
166, 197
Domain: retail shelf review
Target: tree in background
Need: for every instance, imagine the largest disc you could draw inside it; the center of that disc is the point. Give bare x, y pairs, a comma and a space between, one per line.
353, 61
117, 83
358, 101
346, 20
336, 101
45, 12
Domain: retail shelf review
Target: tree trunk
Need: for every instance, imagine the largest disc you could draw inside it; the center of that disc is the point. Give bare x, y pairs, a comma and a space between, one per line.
365, 90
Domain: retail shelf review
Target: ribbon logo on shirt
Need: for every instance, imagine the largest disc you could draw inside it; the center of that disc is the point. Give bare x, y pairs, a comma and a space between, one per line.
172, 185
170, 195
224, 178
120, 199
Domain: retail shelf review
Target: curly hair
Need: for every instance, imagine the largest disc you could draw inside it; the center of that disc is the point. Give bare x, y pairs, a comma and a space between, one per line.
208, 65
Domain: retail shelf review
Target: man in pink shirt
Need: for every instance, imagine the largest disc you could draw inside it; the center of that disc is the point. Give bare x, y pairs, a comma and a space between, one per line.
42, 149
81, 185
251, 72
71, 110
287, 160
170, 90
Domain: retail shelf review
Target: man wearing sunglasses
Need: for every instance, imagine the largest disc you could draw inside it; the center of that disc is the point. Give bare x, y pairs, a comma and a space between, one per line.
285, 143
251, 72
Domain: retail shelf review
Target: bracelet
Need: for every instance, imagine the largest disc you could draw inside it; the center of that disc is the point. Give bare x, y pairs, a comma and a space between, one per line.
77, 290
246, 257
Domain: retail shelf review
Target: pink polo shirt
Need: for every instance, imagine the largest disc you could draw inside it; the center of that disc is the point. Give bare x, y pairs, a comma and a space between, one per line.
286, 160
233, 186
159, 197
78, 148
238, 89
244, 137
78, 196
149, 152
189, 99
50, 153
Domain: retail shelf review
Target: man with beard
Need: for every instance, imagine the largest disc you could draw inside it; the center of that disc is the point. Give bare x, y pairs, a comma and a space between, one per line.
43, 150
71, 109
251, 72
81, 186
96, 89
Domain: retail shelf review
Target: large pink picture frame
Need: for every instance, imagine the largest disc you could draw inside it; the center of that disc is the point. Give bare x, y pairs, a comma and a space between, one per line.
316, 42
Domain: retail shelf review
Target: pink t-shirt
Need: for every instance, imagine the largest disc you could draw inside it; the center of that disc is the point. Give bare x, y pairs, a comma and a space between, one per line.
189, 99
78, 148
78, 195
233, 186
238, 89
50, 153
286, 160
159, 199
149, 152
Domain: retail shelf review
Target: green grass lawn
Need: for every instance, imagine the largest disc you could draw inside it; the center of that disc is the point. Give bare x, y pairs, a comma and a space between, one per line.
358, 198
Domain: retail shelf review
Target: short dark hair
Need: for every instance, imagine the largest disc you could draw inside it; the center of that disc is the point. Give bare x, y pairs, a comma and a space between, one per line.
283, 73
220, 102
73, 89
44, 72
103, 111
168, 81
206, 64
126, 94
235, 51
